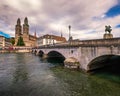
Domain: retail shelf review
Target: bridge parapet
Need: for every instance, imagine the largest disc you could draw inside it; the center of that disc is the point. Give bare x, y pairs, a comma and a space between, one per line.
85, 50
86, 43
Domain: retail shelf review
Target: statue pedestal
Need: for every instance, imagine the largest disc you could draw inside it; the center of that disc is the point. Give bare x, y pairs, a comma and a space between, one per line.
107, 36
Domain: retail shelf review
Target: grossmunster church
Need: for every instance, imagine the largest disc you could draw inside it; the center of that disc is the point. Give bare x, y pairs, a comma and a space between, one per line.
23, 31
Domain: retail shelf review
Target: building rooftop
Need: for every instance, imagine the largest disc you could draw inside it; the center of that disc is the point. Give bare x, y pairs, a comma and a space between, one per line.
57, 38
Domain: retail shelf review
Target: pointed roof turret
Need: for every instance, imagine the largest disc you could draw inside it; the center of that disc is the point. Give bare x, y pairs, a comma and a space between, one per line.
35, 34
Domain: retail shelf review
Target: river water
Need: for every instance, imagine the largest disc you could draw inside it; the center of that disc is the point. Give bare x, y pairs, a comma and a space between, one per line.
25, 74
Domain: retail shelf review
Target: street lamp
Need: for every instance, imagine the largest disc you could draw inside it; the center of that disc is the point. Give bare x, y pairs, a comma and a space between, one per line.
69, 36
69, 31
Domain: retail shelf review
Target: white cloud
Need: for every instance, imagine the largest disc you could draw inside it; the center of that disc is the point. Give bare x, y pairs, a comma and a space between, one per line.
23, 5
87, 17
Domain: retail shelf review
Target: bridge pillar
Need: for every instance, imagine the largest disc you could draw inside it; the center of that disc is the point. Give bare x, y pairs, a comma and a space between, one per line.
45, 56
71, 63
37, 53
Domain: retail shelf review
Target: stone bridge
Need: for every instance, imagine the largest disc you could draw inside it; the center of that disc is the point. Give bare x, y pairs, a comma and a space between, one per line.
91, 54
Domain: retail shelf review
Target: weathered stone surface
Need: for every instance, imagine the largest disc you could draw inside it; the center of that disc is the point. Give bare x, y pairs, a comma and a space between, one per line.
45, 56
71, 63
86, 50
107, 36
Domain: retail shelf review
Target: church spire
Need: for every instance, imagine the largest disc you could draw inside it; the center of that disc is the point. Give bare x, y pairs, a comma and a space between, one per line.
25, 26
35, 33
18, 21
18, 28
26, 21
61, 34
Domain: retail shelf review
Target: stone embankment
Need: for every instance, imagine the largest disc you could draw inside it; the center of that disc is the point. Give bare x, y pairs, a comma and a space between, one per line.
16, 49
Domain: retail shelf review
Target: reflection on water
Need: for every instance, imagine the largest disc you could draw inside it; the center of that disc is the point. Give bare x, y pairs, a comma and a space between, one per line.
21, 73
80, 84
28, 75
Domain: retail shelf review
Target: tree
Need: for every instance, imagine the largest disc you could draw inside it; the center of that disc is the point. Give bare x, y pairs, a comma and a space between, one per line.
12, 40
20, 42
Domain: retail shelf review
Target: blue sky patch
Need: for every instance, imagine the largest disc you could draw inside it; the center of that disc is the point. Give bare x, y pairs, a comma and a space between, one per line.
117, 26
4, 34
114, 11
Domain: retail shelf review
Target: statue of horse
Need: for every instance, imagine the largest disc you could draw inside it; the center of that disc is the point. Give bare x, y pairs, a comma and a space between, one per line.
108, 29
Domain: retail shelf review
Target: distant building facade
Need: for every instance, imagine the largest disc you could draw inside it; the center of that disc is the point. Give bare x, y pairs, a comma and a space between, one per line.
50, 39
5, 42
28, 39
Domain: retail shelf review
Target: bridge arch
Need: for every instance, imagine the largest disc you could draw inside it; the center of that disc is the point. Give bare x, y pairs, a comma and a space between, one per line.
40, 53
100, 61
55, 56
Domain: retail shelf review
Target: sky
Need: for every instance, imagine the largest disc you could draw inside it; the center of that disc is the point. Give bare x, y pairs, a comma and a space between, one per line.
86, 17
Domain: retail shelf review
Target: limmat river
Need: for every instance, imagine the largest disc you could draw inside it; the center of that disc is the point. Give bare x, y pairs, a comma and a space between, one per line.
25, 74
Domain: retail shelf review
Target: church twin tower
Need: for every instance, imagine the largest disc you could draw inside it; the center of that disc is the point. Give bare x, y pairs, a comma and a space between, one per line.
29, 40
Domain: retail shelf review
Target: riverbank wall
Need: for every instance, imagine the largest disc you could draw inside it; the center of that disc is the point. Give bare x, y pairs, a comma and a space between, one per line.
16, 49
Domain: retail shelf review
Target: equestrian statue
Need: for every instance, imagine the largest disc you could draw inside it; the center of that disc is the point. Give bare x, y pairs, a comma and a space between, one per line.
108, 29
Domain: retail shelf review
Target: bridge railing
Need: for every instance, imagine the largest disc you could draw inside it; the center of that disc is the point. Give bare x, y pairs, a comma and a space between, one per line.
84, 43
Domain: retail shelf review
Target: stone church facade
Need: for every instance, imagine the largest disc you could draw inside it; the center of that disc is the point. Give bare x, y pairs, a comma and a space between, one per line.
28, 39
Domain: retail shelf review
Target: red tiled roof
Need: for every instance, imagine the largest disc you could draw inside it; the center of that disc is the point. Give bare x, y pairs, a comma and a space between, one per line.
57, 38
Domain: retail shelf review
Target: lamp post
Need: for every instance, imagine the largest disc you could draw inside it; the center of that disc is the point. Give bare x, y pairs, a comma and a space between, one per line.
69, 31
69, 36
